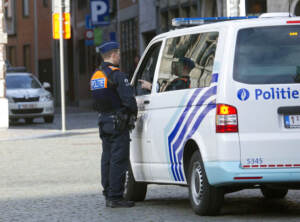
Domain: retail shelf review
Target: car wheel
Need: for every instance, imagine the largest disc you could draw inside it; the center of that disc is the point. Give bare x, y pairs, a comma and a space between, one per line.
134, 191
28, 120
49, 119
206, 200
272, 193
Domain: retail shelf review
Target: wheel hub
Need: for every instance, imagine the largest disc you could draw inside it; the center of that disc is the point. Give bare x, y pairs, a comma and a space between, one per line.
197, 183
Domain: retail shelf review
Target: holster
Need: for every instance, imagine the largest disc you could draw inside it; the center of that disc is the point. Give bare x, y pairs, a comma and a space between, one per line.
124, 121
120, 121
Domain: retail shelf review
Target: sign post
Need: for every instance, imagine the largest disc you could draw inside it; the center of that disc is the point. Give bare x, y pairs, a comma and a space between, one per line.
62, 68
62, 30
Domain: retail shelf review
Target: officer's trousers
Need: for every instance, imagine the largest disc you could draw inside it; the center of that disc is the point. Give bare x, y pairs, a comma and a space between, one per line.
114, 160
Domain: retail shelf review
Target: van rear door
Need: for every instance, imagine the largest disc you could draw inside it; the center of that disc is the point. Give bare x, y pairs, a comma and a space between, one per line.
267, 69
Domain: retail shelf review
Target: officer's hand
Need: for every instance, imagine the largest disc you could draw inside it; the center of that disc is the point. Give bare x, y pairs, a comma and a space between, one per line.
145, 84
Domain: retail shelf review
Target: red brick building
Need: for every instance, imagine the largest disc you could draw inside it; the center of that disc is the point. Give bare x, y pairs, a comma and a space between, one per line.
30, 36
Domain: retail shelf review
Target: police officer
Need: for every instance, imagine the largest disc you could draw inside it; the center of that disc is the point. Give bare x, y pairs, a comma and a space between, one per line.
114, 99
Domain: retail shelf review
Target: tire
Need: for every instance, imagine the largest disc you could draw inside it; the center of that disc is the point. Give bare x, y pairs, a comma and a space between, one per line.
206, 200
134, 191
272, 193
48, 119
28, 120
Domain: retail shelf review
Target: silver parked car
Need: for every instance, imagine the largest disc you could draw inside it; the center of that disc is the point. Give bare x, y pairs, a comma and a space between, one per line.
28, 98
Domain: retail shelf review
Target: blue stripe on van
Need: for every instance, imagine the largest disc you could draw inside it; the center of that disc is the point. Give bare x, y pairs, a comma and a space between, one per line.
176, 159
177, 126
214, 77
177, 144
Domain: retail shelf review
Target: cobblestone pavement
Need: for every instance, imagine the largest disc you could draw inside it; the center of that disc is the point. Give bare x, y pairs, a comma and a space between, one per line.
53, 179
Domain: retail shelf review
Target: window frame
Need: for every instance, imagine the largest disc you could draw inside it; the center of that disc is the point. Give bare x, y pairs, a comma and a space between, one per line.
45, 3
216, 31
144, 61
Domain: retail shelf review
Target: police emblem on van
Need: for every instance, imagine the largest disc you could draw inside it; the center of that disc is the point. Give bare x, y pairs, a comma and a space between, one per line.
243, 94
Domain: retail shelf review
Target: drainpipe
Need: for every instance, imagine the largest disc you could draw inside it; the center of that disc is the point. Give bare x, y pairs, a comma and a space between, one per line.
36, 40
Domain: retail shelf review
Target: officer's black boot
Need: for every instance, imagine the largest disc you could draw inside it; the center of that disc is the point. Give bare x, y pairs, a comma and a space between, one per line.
119, 203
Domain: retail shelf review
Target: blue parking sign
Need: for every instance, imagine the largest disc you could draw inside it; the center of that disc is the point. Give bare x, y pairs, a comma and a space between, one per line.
100, 12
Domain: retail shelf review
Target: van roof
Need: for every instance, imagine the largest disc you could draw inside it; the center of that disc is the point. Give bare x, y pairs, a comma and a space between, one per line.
264, 21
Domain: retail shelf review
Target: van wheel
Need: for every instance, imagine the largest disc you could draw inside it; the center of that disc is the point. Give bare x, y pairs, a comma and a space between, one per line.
271, 193
206, 200
134, 191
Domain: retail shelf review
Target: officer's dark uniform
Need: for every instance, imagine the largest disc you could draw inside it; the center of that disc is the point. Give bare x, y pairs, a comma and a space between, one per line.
113, 94
182, 82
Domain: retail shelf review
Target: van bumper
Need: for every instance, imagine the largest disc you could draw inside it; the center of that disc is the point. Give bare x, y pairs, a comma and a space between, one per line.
230, 173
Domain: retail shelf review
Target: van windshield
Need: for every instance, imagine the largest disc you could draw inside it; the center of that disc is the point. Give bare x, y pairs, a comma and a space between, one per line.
268, 55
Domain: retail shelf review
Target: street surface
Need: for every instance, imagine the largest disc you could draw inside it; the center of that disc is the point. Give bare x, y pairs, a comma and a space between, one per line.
49, 177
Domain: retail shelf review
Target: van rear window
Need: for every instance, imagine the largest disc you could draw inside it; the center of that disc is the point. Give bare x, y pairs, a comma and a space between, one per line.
268, 55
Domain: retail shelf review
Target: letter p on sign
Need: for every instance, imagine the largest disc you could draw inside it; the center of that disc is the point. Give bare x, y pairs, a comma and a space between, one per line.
99, 12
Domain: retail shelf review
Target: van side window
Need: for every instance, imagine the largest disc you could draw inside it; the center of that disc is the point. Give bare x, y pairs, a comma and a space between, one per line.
187, 62
147, 69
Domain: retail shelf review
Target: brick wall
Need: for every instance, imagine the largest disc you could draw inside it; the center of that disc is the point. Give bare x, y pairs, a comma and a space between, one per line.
25, 33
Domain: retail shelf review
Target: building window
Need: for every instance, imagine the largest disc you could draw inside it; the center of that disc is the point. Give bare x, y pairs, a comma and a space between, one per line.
164, 21
82, 62
25, 8
12, 55
129, 45
45, 3
10, 17
27, 57
186, 12
81, 4
256, 7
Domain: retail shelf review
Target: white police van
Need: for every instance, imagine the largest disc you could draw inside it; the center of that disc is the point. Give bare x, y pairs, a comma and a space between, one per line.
232, 121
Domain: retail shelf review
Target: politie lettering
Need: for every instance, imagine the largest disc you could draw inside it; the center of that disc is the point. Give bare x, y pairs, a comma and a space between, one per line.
276, 93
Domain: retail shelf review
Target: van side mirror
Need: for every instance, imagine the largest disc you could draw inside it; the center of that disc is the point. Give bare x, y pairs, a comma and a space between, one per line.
46, 85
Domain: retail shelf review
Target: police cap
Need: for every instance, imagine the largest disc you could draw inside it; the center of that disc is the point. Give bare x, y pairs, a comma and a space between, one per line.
108, 46
187, 62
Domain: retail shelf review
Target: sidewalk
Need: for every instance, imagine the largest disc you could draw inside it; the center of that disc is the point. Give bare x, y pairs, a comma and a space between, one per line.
78, 121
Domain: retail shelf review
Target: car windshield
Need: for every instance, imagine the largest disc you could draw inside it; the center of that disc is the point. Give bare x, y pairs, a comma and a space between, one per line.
21, 82
268, 55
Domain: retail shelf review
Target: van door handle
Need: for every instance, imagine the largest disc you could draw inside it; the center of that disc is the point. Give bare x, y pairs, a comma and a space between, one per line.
146, 102
289, 110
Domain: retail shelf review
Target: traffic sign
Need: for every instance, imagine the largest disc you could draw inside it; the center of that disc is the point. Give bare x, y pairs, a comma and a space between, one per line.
66, 25
100, 12
89, 34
